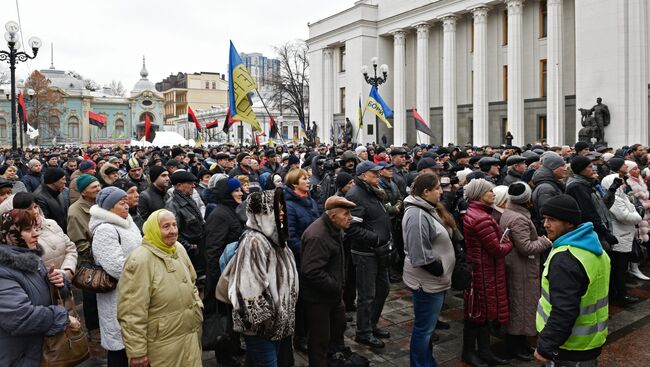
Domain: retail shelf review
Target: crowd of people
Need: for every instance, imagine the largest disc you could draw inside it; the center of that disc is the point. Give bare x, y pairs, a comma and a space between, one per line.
276, 247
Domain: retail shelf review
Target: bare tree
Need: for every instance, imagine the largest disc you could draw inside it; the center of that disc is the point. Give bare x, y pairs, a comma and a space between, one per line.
44, 104
117, 88
290, 89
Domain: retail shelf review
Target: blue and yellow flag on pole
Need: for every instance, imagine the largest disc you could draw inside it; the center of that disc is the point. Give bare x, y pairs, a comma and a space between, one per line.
303, 130
360, 114
379, 107
240, 85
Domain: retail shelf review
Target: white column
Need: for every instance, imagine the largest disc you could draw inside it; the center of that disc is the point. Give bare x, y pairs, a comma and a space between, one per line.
449, 106
328, 101
399, 93
515, 74
480, 101
554, 85
637, 103
422, 77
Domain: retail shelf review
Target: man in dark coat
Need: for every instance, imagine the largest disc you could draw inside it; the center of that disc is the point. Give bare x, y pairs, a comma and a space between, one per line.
49, 197
135, 174
323, 279
582, 187
370, 236
33, 179
153, 198
516, 167
398, 158
271, 165
188, 217
548, 183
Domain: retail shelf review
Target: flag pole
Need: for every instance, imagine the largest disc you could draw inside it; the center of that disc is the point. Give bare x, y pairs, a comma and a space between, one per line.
356, 138
269, 113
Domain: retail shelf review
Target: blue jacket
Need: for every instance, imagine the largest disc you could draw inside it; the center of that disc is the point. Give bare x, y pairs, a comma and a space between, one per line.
26, 313
32, 181
301, 213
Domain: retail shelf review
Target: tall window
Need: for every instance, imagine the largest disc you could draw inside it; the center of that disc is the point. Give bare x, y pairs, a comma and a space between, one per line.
119, 128
342, 59
371, 129
542, 78
543, 19
342, 100
504, 129
207, 85
505, 82
3, 128
214, 85
73, 128
541, 127
505, 27
53, 127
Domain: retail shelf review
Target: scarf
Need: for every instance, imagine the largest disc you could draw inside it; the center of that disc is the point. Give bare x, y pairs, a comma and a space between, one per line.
152, 233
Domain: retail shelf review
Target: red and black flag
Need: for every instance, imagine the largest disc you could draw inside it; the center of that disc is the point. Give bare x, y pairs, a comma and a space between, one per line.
213, 124
420, 124
22, 111
229, 121
97, 120
273, 128
149, 131
192, 118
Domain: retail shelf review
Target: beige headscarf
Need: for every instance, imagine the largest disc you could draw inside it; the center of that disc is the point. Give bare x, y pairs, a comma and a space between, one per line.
476, 188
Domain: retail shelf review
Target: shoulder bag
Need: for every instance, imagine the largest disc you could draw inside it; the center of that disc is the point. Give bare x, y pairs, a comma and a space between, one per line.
69, 347
92, 277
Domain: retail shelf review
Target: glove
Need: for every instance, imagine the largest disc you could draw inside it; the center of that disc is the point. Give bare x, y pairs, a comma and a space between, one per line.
435, 268
611, 239
618, 182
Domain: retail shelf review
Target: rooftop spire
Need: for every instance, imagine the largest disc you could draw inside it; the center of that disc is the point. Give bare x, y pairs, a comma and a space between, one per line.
144, 73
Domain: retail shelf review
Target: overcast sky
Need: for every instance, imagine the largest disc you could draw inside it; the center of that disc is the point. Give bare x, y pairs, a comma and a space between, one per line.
105, 40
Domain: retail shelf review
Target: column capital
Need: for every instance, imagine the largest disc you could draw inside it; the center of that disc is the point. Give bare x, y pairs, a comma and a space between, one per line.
327, 51
449, 22
399, 37
553, 2
422, 29
480, 13
514, 6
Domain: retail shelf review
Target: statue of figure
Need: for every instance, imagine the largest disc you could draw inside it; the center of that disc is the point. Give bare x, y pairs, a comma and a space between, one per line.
314, 132
601, 113
509, 138
590, 132
347, 135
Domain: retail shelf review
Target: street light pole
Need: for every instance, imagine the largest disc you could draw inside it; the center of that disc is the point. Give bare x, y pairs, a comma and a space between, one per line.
375, 81
13, 56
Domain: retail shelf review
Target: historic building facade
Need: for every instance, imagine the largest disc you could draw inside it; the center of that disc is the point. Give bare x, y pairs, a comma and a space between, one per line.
68, 123
475, 69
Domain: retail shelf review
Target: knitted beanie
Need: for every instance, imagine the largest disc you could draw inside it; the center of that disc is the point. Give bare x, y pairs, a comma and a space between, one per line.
84, 181
342, 179
86, 165
564, 208
500, 197
476, 188
52, 175
109, 196
615, 164
519, 193
578, 163
155, 172
233, 184
551, 160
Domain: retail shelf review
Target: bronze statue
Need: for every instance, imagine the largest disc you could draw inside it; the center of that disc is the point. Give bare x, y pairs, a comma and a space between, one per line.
594, 121
347, 133
509, 138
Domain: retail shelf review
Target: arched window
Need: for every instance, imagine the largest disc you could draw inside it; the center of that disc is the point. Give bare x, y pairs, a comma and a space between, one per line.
3, 128
73, 128
152, 118
119, 128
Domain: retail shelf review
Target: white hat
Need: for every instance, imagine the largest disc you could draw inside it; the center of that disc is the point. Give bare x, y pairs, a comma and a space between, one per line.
360, 149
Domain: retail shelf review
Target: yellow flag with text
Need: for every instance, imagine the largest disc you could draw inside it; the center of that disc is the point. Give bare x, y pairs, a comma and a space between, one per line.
240, 87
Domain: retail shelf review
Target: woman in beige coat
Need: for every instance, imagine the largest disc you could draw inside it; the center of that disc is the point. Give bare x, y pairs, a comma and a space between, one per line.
522, 267
58, 250
159, 308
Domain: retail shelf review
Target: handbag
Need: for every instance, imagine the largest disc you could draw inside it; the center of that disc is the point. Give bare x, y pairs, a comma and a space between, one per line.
473, 303
639, 251
92, 277
461, 277
67, 348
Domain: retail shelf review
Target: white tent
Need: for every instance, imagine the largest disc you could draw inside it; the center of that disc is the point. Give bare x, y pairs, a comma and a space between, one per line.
170, 138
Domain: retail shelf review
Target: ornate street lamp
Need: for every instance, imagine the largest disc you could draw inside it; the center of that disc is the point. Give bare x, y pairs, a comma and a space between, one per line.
14, 56
375, 81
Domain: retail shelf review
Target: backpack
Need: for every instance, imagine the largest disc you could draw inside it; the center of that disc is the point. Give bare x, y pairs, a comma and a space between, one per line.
228, 254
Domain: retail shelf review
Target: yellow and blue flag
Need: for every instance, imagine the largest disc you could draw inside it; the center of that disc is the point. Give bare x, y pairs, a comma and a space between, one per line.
240, 86
303, 130
360, 114
377, 105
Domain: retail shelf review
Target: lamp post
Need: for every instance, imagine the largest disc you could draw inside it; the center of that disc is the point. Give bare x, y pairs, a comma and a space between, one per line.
375, 81
14, 56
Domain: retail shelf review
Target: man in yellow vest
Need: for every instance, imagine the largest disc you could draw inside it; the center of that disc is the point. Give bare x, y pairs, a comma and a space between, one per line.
573, 309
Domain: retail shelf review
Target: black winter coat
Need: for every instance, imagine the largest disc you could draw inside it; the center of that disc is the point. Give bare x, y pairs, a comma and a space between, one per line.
222, 227
151, 200
591, 204
323, 262
190, 224
371, 225
53, 204
26, 313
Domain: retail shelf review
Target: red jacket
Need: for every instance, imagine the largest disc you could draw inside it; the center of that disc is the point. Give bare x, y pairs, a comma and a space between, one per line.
482, 235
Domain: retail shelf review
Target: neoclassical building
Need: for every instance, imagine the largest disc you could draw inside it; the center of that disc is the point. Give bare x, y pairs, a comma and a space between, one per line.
69, 123
475, 69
